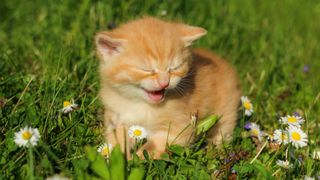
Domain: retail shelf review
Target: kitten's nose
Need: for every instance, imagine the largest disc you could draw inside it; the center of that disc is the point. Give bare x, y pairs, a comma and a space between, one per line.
164, 84
163, 80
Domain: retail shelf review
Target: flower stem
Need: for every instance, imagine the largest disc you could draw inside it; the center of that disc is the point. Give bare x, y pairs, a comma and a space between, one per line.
31, 165
264, 145
277, 171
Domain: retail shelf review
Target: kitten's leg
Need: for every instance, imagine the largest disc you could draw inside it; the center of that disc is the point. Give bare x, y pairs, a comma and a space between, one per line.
156, 145
159, 140
115, 132
223, 130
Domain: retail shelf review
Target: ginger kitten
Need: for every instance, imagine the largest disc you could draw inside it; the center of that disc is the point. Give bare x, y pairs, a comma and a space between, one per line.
151, 77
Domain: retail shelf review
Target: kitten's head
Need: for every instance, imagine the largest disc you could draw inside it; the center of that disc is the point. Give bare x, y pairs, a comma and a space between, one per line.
144, 58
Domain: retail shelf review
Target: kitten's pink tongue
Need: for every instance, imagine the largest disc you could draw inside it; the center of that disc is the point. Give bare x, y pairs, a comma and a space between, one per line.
155, 95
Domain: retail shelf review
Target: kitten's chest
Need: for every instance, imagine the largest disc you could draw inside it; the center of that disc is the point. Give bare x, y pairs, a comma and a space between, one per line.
133, 113
128, 112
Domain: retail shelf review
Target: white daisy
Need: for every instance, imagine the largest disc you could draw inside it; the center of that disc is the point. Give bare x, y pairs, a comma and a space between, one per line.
68, 107
284, 164
297, 137
248, 108
105, 149
316, 155
57, 177
26, 136
292, 120
308, 178
281, 136
137, 132
163, 12
255, 131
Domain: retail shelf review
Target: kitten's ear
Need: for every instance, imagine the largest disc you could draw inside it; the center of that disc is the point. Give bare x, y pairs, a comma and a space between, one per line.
190, 33
109, 44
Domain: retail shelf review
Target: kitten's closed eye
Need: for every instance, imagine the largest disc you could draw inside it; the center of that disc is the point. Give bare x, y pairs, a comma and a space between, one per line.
149, 71
170, 69
176, 67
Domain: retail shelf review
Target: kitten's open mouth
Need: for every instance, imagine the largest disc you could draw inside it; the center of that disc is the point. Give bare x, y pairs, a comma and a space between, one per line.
155, 96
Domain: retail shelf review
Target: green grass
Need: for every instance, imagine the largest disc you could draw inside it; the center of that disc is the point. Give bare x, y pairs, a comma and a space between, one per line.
47, 57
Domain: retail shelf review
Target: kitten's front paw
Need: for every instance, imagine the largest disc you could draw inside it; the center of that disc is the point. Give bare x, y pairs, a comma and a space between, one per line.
155, 149
116, 136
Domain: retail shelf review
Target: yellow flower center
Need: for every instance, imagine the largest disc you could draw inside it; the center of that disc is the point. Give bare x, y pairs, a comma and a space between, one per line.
26, 135
105, 151
283, 137
137, 132
247, 105
295, 136
292, 120
66, 103
255, 132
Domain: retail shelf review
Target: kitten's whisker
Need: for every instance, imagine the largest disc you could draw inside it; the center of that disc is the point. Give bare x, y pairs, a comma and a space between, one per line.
186, 84
179, 90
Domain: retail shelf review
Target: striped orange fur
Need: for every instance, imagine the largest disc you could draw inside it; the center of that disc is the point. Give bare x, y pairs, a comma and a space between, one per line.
151, 77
